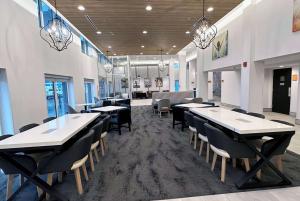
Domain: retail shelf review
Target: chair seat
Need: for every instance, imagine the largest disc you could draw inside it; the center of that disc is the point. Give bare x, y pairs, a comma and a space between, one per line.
202, 137
220, 152
103, 134
162, 109
193, 129
114, 120
94, 145
79, 163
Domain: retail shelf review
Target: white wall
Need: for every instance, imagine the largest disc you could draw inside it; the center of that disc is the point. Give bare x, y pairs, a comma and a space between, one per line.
268, 89
210, 95
26, 58
230, 87
294, 91
192, 83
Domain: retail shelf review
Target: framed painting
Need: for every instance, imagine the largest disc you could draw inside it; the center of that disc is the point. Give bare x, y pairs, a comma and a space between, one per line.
147, 82
296, 16
220, 46
159, 82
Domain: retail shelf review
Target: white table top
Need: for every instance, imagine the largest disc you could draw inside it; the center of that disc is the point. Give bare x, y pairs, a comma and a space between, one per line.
193, 105
108, 108
116, 99
157, 100
189, 99
85, 104
52, 133
240, 123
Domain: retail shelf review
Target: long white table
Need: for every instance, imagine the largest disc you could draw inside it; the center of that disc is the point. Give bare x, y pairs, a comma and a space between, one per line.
52, 133
108, 108
240, 123
50, 137
245, 128
193, 105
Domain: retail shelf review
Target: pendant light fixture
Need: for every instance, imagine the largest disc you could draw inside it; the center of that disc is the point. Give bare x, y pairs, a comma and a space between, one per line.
56, 33
107, 66
203, 31
161, 65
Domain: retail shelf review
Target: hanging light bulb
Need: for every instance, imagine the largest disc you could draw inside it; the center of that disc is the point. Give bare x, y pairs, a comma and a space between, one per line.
203, 32
56, 33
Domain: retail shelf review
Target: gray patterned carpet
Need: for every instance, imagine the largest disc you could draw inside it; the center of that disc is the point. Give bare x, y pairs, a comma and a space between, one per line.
152, 162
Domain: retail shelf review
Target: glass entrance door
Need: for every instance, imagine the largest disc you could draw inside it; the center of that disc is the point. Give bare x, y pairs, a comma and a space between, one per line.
57, 97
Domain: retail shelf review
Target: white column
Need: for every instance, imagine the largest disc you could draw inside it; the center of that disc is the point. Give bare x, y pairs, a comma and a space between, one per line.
297, 121
202, 77
182, 72
172, 75
252, 76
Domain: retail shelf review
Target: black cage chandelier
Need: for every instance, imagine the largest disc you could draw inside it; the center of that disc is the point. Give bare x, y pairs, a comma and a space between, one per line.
161, 66
56, 33
203, 32
108, 66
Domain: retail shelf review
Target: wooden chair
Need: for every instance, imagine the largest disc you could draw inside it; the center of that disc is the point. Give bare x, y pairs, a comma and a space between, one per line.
199, 124
224, 146
103, 137
95, 144
72, 158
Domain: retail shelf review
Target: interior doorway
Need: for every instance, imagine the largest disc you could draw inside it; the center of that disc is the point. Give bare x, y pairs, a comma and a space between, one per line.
217, 79
282, 90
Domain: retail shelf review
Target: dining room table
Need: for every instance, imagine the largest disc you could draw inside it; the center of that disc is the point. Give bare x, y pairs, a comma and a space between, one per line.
48, 137
246, 128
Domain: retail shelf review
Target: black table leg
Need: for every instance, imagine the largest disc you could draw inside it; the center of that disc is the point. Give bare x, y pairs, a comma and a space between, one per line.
33, 178
242, 183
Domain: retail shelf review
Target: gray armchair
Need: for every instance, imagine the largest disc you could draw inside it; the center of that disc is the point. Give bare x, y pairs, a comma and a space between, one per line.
163, 106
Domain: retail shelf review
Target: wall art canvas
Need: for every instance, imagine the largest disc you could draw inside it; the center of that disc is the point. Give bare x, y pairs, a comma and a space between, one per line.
220, 46
296, 16
136, 83
124, 83
147, 82
159, 82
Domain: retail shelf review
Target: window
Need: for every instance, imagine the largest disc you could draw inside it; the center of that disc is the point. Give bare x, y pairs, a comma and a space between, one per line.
57, 95
177, 87
103, 88
88, 87
6, 121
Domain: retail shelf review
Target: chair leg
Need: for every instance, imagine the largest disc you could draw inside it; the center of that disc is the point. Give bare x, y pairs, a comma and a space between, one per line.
9, 185
214, 162
278, 160
60, 177
96, 155
78, 181
201, 147
49, 182
247, 164
129, 127
102, 147
195, 141
223, 170
119, 129
207, 152
91, 161
191, 137
258, 174
85, 172
234, 162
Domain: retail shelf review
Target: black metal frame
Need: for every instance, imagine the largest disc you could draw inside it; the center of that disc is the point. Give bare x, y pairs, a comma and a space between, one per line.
31, 176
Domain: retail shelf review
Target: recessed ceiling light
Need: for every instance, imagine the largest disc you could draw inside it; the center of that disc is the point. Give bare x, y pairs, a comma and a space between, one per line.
115, 54
141, 53
187, 32
148, 8
98, 32
142, 46
174, 46
167, 53
81, 8
145, 32
210, 9
109, 47
281, 66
